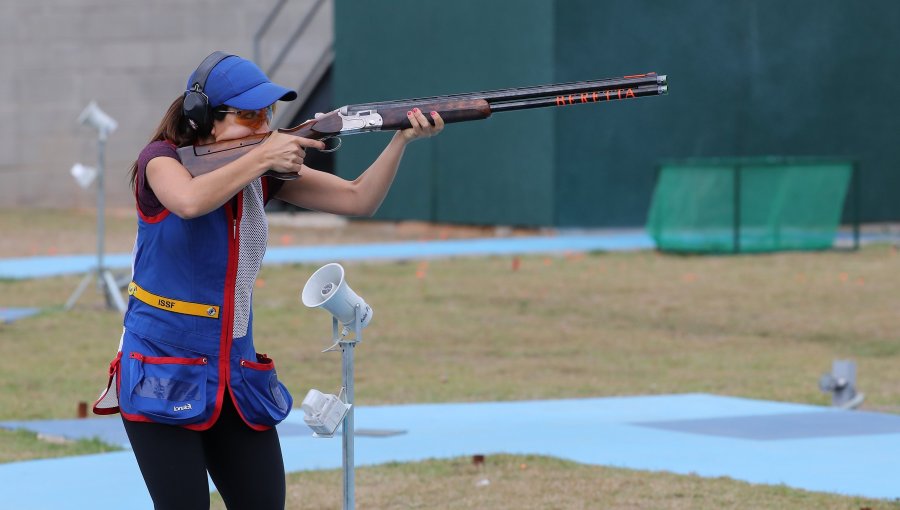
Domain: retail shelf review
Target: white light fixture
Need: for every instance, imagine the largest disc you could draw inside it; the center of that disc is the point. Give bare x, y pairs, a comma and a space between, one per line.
84, 175
96, 118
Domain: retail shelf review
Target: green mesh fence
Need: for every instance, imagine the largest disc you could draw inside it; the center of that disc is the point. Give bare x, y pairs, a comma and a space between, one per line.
748, 205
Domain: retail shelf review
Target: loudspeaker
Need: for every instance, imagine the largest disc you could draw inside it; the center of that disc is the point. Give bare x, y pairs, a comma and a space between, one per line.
327, 288
96, 118
196, 103
84, 175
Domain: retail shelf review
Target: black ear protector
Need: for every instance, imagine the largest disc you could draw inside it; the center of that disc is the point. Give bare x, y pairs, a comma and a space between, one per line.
196, 103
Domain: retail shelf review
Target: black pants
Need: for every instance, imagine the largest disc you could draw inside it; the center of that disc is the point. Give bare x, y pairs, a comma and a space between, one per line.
245, 465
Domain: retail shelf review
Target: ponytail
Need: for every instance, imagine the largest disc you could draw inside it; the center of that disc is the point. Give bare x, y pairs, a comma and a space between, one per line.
174, 128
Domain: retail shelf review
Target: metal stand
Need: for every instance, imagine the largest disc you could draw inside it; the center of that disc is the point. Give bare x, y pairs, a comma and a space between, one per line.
346, 346
105, 281
841, 383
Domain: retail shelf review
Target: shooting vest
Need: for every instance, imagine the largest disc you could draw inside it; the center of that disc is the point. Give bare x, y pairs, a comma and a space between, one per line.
188, 327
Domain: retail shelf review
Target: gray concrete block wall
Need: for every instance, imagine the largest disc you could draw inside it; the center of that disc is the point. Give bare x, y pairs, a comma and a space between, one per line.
133, 57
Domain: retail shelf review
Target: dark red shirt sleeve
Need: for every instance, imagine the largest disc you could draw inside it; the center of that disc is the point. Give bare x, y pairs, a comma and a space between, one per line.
146, 200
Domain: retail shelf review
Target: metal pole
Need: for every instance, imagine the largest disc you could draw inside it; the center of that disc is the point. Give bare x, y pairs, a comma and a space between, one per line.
347, 351
348, 432
79, 290
105, 279
98, 273
101, 146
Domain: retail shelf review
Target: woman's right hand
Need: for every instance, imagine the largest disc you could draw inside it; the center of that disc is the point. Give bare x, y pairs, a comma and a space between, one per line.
285, 153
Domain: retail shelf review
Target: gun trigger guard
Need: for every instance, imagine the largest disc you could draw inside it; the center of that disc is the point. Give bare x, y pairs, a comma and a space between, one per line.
336, 147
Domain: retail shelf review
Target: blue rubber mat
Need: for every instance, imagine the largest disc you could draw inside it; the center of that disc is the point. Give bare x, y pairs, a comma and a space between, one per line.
853, 459
625, 240
110, 429
43, 267
8, 315
787, 425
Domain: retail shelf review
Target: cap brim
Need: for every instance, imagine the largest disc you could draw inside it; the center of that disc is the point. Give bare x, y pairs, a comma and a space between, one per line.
261, 96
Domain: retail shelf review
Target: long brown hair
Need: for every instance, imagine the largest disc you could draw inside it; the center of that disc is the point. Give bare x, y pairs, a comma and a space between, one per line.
174, 128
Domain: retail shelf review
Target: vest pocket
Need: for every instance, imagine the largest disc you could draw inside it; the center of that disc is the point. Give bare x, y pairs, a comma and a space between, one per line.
166, 389
261, 396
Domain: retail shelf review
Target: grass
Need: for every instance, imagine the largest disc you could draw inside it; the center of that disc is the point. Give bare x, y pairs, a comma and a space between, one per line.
542, 483
591, 325
17, 445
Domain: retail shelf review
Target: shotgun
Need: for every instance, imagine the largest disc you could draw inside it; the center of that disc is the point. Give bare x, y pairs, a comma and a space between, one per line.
391, 115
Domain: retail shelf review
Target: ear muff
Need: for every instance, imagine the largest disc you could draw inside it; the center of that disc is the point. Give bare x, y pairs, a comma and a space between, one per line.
196, 103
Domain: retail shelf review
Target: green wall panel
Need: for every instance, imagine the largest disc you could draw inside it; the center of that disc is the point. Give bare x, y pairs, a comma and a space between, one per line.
499, 170
747, 78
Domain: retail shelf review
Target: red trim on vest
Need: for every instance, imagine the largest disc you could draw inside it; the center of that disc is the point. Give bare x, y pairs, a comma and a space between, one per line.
228, 330
136, 417
264, 363
151, 219
168, 360
148, 219
226, 337
258, 428
227, 317
113, 372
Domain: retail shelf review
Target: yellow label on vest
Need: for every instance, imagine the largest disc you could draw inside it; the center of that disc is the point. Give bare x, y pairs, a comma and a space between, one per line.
172, 305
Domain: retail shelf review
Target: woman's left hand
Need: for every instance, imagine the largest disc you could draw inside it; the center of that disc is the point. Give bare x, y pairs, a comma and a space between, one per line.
421, 128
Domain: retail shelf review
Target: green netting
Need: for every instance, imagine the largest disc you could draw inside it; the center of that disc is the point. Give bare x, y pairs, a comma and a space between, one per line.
748, 205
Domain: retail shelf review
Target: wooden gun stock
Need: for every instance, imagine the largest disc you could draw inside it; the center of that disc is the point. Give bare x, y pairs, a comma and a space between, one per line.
202, 159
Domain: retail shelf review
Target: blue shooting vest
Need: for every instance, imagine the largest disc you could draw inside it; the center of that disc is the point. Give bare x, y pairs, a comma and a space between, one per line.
188, 328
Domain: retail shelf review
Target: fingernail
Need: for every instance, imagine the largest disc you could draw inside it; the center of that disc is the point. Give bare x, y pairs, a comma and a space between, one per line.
416, 110
433, 113
409, 113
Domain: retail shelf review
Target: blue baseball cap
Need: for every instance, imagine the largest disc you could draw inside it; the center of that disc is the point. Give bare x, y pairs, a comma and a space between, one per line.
239, 83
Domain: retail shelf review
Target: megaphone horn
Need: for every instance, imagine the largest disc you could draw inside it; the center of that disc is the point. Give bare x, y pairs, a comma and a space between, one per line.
93, 116
328, 289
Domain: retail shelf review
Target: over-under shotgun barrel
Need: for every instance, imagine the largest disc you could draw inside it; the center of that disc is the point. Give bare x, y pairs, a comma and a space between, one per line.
480, 105
521, 93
